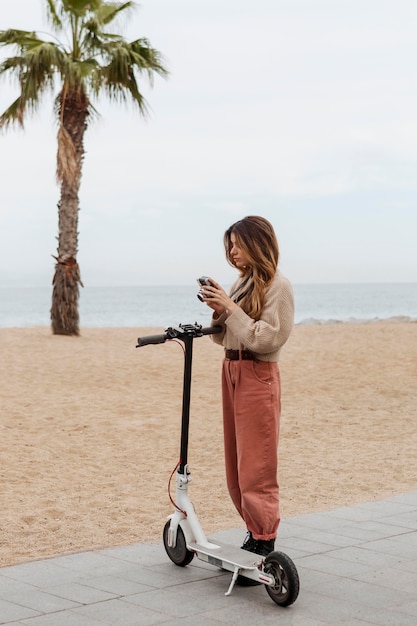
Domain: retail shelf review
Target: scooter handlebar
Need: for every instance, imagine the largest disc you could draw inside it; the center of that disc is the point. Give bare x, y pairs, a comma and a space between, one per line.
151, 339
177, 333
211, 330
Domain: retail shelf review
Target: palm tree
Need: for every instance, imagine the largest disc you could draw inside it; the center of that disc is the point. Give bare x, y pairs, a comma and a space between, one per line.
84, 62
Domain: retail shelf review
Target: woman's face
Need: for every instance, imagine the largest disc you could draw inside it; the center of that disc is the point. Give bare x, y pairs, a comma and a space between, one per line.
237, 254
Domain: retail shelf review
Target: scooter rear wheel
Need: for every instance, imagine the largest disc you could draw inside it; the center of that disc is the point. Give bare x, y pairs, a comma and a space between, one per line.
287, 584
179, 554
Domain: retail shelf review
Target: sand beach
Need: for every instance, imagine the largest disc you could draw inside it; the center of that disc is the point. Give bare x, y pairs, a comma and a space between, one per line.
90, 430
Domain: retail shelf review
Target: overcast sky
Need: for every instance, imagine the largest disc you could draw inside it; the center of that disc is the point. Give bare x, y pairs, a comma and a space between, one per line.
303, 111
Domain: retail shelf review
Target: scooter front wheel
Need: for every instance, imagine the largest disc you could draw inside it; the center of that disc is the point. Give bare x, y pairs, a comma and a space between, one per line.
179, 554
287, 584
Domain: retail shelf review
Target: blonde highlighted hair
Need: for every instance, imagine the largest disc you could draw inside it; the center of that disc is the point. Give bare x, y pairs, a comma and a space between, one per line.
256, 237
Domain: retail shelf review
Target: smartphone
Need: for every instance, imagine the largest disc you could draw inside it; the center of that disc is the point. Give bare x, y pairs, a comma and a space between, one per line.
202, 281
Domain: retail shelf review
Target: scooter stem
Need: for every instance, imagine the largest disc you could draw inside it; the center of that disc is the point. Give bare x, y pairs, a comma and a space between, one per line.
188, 344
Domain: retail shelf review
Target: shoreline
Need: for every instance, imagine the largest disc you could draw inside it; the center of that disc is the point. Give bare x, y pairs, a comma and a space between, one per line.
90, 431
308, 321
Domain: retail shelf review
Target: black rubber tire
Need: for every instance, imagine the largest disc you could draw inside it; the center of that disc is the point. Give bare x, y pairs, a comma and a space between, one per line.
287, 584
180, 555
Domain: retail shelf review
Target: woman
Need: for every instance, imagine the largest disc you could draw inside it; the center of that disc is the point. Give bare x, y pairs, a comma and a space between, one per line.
256, 320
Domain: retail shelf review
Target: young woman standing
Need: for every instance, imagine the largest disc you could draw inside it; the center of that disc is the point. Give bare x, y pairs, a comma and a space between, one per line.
256, 320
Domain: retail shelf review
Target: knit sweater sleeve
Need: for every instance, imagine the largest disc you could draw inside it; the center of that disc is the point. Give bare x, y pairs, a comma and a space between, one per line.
266, 336
219, 320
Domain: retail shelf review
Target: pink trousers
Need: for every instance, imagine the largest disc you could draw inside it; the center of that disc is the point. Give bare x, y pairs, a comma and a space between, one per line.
251, 392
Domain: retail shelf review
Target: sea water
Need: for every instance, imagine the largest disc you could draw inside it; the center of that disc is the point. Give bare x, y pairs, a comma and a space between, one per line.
169, 306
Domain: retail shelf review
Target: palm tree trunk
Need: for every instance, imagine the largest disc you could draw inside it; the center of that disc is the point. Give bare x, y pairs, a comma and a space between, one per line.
73, 114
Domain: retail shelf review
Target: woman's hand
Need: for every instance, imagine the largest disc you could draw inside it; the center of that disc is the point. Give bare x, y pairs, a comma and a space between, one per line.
216, 298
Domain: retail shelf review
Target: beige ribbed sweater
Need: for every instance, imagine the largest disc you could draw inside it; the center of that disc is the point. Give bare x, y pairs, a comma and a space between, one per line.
265, 337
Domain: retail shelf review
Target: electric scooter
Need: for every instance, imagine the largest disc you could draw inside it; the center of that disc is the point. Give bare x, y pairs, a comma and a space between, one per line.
183, 535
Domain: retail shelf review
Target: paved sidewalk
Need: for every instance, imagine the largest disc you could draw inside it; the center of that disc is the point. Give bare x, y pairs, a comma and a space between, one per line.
357, 565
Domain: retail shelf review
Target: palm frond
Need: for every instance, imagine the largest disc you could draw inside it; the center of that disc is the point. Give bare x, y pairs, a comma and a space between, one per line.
147, 58
22, 39
13, 114
94, 60
110, 10
35, 70
122, 56
119, 92
53, 16
80, 8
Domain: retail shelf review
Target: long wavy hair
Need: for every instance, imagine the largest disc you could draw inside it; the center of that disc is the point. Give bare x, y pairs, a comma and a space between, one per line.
256, 237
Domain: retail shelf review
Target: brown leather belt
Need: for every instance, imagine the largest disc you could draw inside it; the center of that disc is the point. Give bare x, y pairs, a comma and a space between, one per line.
236, 355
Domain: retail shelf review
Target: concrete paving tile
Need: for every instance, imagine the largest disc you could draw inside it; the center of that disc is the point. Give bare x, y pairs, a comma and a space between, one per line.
66, 618
406, 498
117, 586
334, 539
81, 593
391, 579
346, 622
321, 521
170, 575
157, 577
120, 613
143, 554
324, 609
407, 537
185, 600
408, 566
39, 573
326, 563
261, 610
387, 617
308, 546
335, 611
355, 514
359, 554
190, 621
387, 510
292, 552
410, 608
384, 508
362, 594
383, 530
396, 548
10, 612
109, 565
360, 532
406, 519
290, 528
41, 601
11, 585
89, 561
311, 579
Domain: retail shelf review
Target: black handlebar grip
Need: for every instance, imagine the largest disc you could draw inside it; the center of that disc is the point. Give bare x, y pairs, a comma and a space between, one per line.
151, 339
211, 330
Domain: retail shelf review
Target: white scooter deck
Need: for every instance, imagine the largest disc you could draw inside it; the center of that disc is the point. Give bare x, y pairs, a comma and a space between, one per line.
233, 560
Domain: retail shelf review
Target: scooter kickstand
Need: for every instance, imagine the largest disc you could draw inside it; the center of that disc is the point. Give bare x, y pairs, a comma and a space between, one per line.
232, 582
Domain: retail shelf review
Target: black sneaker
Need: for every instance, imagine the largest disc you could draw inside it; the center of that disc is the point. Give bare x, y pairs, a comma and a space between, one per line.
257, 546
264, 546
250, 543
